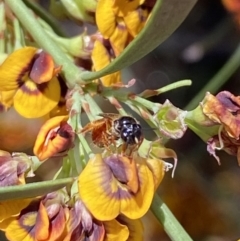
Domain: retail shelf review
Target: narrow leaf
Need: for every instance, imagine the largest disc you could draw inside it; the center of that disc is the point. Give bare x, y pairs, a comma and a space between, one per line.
165, 18
33, 189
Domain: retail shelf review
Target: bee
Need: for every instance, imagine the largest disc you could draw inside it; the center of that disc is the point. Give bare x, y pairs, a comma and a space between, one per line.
113, 127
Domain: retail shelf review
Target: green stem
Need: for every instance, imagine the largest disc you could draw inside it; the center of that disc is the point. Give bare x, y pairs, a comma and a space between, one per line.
70, 71
41, 12
17, 34
220, 78
170, 224
175, 85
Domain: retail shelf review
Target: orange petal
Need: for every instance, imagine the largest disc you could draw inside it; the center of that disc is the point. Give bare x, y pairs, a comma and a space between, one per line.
43, 68
33, 101
105, 18
40, 148
15, 67
42, 224
115, 231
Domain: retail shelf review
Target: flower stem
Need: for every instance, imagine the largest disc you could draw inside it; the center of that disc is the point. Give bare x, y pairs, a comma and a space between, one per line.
70, 71
219, 79
170, 224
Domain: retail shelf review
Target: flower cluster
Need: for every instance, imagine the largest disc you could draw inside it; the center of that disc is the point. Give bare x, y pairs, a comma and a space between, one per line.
216, 121
118, 22
115, 184
109, 192
57, 217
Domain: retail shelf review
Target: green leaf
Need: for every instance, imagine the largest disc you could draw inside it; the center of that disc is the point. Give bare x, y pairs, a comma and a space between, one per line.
33, 189
166, 16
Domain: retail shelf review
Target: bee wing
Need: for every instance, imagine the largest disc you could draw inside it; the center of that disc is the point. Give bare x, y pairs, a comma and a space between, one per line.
110, 116
92, 125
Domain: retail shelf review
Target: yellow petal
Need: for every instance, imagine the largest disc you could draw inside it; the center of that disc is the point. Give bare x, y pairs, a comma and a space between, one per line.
12, 208
4, 224
105, 18
33, 101
101, 204
100, 56
110, 197
123, 7
119, 38
15, 233
111, 79
43, 134
115, 231
30, 226
135, 228
157, 169
139, 204
15, 66
136, 20
6, 98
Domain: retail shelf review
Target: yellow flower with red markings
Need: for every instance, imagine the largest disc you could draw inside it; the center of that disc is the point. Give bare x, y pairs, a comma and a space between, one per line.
29, 83
81, 224
42, 219
118, 185
55, 138
14, 168
53, 218
120, 21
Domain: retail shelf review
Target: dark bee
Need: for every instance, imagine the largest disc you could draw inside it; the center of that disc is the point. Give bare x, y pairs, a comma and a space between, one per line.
112, 127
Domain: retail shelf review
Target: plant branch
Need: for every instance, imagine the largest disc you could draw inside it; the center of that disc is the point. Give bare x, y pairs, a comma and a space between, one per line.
218, 80
170, 224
